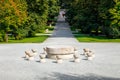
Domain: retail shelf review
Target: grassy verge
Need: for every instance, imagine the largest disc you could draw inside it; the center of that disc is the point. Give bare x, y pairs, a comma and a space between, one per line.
87, 38
37, 39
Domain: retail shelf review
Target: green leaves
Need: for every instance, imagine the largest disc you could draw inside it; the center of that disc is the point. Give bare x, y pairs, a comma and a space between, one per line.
13, 13
24, 18
115, 22
52, 11
95, 15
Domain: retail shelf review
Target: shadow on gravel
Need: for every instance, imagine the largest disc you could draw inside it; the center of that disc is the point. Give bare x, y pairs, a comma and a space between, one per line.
25, 58
59, 76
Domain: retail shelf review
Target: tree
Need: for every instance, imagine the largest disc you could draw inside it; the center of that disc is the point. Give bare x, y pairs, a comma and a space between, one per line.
115, 20
38, 13
13, 15
53, 10
95, 16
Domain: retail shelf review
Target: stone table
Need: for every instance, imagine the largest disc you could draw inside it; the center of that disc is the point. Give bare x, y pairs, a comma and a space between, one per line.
61, 51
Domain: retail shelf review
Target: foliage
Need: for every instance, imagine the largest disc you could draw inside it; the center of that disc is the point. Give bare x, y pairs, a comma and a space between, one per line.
53, 8
24, 18
38, 13
95, 15
115, 20
13, 14
52, 11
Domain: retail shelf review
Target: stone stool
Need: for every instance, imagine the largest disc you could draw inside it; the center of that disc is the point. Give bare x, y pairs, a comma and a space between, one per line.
34, 51
86, 50
76, 58
90, 55
59, 60
29, 55
42, 58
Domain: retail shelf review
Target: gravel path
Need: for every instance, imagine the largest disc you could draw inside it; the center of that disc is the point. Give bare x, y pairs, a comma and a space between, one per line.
105, 66
62, 34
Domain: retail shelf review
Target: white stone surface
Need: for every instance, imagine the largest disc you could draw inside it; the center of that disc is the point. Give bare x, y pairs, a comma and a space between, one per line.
104, 66
67, 56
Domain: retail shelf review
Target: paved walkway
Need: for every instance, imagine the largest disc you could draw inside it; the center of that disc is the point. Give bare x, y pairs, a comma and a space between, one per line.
62, 34
106, 65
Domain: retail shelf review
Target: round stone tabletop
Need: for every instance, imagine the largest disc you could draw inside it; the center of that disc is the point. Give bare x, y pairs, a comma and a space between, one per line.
60, 49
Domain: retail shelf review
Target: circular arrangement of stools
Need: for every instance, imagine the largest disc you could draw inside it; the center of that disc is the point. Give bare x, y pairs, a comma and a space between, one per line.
59, 53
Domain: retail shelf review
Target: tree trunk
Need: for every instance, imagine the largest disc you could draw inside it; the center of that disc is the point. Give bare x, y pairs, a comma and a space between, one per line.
97, 31
6, 37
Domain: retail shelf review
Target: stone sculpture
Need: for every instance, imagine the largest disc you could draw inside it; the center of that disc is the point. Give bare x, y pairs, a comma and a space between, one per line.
88, 53
29, 55
64, 52
34, 51
76, 58
59, 60
42, 57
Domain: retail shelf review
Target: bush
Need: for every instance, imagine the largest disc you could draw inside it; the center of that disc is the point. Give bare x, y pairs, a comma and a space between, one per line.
20, 34
49, 28
73, 28
1, 38
113, 33
41, 31
31, 33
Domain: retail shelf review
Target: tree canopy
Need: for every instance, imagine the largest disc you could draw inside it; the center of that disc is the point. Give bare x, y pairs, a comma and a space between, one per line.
24, 18
94, 16
13, 15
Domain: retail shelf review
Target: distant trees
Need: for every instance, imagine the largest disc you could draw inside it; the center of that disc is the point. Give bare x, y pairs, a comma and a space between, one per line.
115, 20
23, 18
53, 9
38, 13
95, 16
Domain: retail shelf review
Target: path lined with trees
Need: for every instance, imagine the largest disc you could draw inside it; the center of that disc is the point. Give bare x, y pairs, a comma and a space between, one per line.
25, 18
62, 35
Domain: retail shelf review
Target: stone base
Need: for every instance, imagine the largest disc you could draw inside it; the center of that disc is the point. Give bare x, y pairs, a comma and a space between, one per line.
76, 60
68, 56
42, 60
60, 61
31, 58
90, 58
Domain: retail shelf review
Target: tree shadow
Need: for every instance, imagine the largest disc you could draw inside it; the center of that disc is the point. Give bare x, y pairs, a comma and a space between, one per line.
60, 76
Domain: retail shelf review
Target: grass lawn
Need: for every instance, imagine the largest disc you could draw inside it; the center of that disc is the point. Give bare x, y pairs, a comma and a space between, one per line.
37, 39
87, 38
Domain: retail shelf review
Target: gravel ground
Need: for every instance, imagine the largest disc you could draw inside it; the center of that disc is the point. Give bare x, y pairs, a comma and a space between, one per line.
105, 66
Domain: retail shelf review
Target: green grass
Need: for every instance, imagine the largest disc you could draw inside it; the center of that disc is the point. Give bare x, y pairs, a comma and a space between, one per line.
87, 38
37, 39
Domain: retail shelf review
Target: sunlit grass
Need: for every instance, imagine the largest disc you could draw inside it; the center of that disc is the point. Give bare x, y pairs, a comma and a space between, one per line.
36, 39
87, 38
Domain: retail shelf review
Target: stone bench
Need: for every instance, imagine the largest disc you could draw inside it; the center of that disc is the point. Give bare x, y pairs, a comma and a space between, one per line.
62, 51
